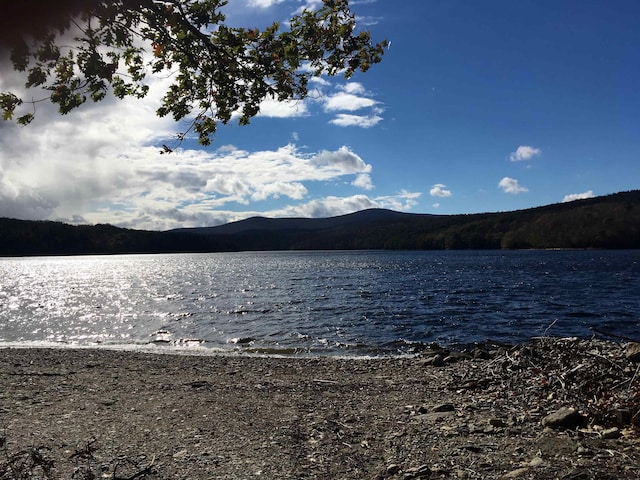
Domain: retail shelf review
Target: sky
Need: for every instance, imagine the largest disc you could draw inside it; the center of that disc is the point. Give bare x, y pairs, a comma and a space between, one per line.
477, 106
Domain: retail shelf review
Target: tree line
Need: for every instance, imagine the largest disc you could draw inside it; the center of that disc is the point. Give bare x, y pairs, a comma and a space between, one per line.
609, 222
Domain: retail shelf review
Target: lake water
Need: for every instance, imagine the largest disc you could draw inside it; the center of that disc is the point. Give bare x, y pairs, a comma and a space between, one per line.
316, 303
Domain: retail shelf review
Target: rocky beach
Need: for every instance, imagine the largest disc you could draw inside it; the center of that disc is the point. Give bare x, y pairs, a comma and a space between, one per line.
551, 408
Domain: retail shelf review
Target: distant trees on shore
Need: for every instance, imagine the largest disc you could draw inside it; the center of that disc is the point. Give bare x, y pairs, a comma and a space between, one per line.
610, 222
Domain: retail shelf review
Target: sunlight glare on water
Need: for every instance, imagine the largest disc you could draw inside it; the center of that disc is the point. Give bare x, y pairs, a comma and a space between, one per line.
316, 302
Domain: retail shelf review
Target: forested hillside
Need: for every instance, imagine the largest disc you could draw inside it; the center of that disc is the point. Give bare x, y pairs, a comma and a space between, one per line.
611, 221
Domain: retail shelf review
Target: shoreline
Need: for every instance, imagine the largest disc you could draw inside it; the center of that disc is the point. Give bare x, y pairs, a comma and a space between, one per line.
184, 348
159, 415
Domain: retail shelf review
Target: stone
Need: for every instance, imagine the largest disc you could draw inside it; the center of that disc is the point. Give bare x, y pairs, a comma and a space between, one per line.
480, 354
564, 418
633, 351
418, 472
519, 473
584, 451
444, 407
497, 422
393, 468
611, 433
536, 462
437, 361
456, 357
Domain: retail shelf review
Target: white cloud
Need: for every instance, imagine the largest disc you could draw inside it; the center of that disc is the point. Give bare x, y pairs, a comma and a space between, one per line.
354, 88
273, 108
264, 3
311, 5
101, 164
363, 121
94, 164
347, 101
523, 153
294, 190
578, 196
363, 181
511, 185
367, 21
440, 190
402, 201
342, 160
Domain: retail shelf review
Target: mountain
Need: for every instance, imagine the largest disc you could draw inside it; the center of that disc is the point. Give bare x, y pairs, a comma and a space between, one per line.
280, 224
611, 221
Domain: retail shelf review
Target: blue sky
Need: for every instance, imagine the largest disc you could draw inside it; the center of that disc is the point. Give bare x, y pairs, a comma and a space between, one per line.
480, 106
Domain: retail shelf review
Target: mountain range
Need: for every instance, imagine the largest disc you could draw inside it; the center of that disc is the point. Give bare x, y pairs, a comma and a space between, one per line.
611, 221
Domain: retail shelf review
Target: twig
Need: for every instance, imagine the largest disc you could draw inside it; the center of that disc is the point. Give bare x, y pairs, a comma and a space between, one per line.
633, 378
605, 358
547, 329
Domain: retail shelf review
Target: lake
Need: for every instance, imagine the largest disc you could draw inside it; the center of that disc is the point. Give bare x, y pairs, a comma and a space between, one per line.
316, 303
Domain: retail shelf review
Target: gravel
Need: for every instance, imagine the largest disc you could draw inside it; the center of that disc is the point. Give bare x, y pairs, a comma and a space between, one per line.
96, 413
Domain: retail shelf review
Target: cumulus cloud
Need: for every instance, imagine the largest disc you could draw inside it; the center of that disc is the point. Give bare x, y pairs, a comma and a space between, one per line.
293, 190
363, 181
511, 185
440, 190
578, 196
101, 164
342, 160
264, 3
524, 153
330, 206
402, 201
273, 108
347, 101
354, 88
363, 121
101, 171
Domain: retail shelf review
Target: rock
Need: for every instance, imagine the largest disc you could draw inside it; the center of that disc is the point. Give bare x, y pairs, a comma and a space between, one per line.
437, 361
633, 351
456, 357
418, 472
584, 451
536, 462
497, 422
611, 433
564, 418
392, 469
481, 354
445, 407
520, 472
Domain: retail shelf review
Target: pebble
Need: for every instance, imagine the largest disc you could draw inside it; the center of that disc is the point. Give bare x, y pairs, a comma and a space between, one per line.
437, 361
520, 472
393, 469
536, 462
611, 433
417, 472
497, 422
444, 407
564, 418
633, 351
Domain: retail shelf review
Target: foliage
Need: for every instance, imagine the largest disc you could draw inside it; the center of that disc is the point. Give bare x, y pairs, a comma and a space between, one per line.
604, 222
218, 71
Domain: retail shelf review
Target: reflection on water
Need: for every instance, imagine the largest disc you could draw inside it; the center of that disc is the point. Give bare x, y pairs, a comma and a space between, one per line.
317, 302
